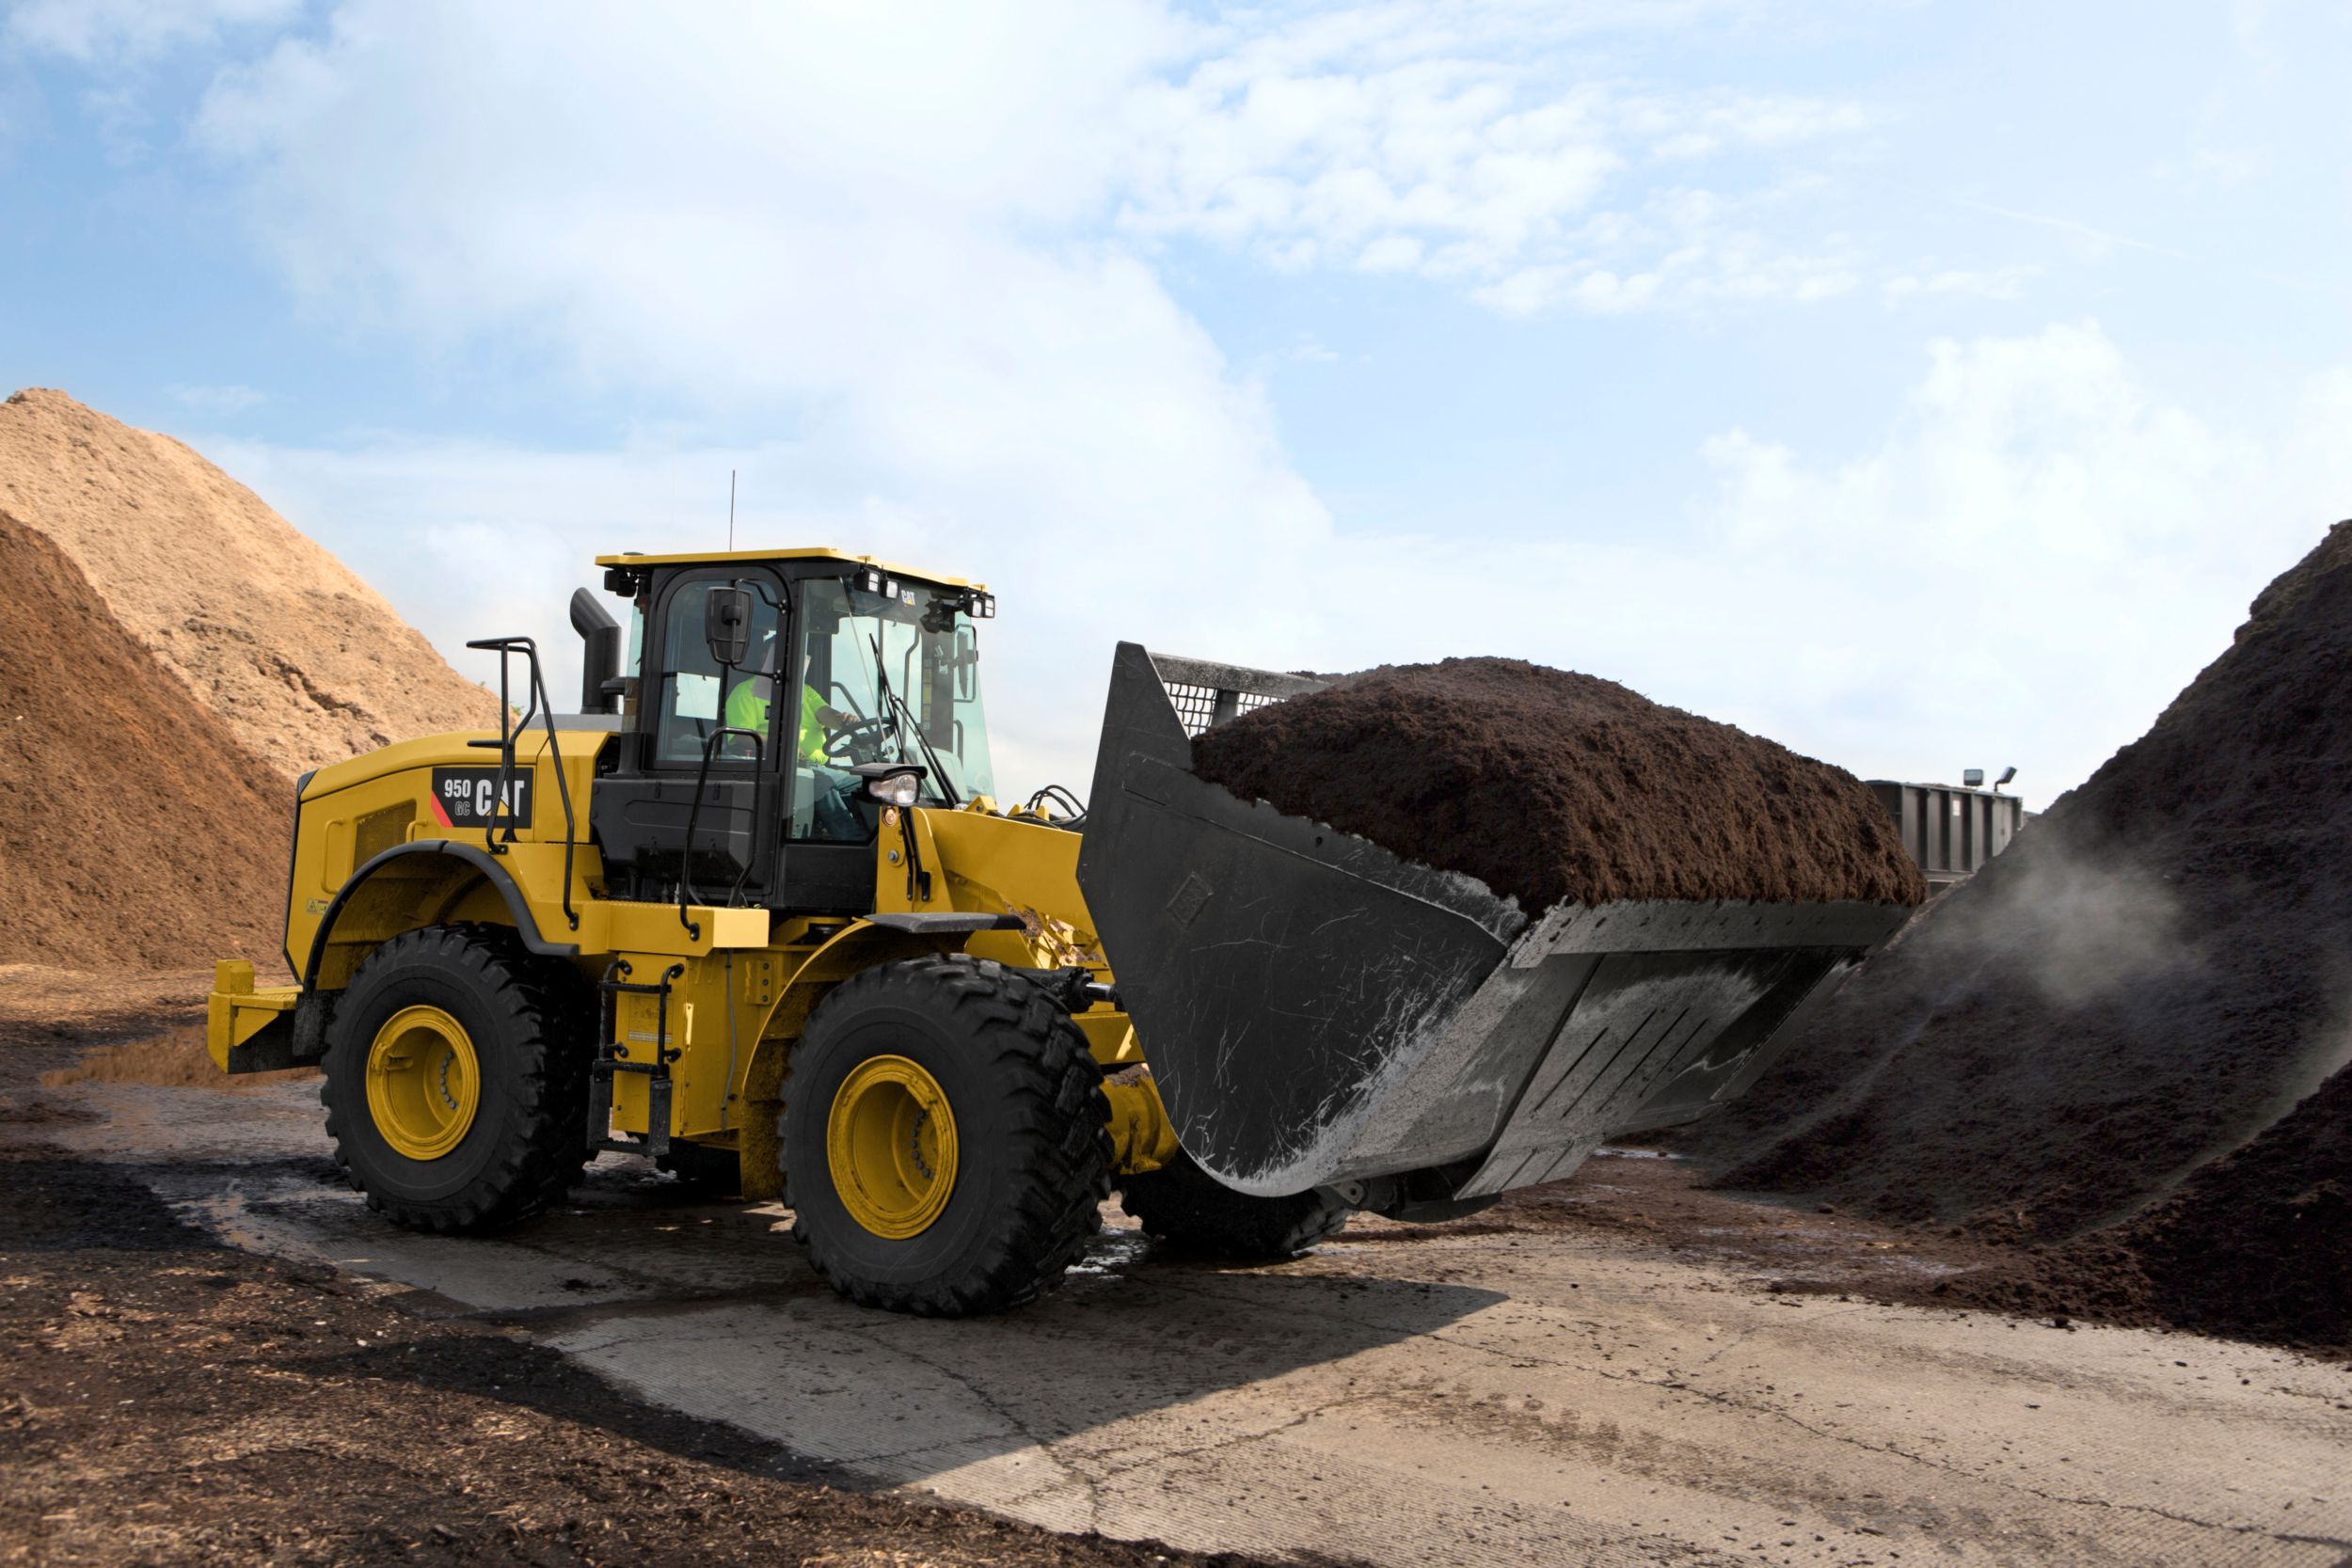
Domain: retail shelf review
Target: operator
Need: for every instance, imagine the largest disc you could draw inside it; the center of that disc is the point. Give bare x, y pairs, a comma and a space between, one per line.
747, 709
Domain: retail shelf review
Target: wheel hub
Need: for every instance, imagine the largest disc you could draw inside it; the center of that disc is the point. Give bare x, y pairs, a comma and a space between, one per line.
424, 1082
890, 1141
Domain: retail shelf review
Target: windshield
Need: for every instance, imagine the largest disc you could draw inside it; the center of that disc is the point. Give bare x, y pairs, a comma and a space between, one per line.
898, 677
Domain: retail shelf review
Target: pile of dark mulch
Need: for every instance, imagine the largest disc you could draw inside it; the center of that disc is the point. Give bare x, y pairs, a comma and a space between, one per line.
2092, 1047
2256, 1245
1556, 787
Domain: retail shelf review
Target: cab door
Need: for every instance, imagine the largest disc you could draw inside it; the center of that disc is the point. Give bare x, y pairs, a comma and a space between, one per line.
708, 739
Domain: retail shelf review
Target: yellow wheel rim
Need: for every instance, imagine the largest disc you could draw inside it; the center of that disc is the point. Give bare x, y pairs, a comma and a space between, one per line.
890, 1142
423, 1083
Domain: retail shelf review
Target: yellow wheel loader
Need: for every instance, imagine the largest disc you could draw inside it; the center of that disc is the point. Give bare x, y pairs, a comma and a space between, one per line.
756, 914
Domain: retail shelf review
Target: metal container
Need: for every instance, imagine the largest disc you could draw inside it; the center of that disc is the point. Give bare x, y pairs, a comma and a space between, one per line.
1951, 830
1318, 1011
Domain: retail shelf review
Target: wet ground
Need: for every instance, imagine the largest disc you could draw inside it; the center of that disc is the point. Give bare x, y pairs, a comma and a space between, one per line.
1610, 1370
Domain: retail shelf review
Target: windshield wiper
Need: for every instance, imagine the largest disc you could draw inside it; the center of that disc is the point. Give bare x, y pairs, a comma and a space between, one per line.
893, 703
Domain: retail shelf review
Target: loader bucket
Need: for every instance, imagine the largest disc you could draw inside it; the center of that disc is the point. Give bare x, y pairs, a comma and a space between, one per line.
1317, 1011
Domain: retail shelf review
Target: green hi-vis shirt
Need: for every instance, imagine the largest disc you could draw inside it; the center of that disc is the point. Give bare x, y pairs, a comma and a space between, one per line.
748, 710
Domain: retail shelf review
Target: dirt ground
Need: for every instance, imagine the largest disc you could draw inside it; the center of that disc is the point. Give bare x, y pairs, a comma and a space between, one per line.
1659, 1203
43, 1005
124, 1035
171, 1400
1621, 1369
165, 1399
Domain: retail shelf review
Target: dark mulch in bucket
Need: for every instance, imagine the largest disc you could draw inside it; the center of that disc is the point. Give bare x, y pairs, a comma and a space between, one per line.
2093, 1047
1552, 786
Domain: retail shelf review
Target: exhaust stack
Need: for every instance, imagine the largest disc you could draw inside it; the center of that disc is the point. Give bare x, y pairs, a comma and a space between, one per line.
600, 657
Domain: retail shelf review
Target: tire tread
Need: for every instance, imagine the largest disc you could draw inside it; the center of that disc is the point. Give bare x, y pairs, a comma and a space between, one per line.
542, 1000
1058, 1129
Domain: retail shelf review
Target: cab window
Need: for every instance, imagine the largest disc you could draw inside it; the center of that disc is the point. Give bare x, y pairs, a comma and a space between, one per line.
891, 677
699, 696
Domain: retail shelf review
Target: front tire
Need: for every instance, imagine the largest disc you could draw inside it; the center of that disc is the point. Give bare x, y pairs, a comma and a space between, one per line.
1192, 1212
946, 1138
457, 1086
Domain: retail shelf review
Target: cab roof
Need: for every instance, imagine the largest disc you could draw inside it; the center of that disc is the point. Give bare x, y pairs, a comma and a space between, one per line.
815, 552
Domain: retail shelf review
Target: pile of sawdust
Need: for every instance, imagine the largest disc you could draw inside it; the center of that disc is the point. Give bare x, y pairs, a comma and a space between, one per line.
303, 662
134, 830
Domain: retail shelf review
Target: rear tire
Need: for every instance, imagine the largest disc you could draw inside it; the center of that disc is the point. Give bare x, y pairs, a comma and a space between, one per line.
457, 1086
946, 1139
1191, 1210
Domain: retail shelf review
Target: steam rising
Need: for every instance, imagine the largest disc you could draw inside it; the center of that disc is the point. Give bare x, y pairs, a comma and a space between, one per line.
2083, 927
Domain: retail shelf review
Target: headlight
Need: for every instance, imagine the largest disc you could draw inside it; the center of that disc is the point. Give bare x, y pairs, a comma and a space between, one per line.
893, 789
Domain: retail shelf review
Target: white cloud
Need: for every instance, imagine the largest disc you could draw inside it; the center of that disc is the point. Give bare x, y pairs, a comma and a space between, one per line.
2001, 283
1689, 248
2088, 241
217, 400
2027, 564
892, 264
2037, 556
134, 30
661, 199
1460, 143
122, 44
1492, 145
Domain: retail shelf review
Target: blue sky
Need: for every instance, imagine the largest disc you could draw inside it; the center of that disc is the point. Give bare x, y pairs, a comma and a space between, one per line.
1922, 385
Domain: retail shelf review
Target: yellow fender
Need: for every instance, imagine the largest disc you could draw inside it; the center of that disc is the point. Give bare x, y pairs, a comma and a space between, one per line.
858, 947
426, 882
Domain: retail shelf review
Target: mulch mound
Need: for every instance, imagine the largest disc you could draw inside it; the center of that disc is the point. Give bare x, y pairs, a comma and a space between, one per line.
1555, 787
2256, 1245
134, 830
2097, 1047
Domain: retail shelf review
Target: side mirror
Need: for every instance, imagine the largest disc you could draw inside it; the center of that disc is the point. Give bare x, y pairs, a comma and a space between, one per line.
965, 661
727, 623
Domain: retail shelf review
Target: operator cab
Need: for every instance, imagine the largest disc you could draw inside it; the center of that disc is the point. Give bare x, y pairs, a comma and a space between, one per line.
766, 699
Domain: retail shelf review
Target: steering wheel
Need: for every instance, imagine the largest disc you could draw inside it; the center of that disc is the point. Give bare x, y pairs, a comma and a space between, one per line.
859, 738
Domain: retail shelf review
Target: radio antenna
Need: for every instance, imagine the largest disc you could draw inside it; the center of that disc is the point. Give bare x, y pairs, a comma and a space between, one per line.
730, 509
